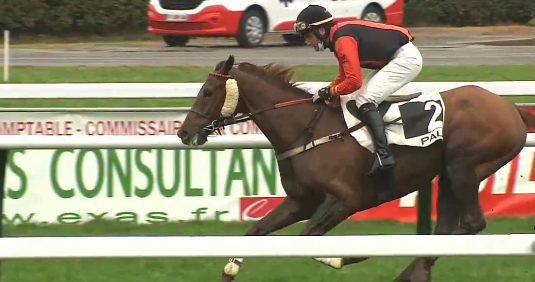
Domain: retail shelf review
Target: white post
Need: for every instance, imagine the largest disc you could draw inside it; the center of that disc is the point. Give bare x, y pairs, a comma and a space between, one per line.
6, 55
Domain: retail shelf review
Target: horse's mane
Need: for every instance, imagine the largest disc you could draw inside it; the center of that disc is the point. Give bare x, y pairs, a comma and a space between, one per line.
279, 75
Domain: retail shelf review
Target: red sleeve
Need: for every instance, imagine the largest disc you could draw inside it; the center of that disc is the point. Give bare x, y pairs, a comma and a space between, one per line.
340, 77
347, 49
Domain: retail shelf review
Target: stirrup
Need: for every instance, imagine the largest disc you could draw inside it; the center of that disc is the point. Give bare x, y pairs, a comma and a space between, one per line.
378, 164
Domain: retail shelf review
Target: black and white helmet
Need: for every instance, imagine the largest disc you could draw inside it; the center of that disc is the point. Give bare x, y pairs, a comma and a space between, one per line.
311, 18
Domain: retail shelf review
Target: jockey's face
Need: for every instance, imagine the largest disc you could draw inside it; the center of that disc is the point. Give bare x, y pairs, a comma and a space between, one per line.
313, 40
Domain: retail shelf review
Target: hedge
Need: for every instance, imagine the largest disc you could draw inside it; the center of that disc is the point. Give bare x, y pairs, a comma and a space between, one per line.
468, 12
106, 17
67, 17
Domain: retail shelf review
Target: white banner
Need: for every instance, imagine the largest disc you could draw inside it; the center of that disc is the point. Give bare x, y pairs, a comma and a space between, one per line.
144, 185
154, 185
103, 123
140, 185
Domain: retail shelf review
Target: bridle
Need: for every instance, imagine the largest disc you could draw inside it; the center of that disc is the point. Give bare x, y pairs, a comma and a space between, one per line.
221, 122
234, 119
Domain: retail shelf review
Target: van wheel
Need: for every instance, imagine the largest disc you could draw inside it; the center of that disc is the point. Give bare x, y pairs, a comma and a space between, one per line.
175, 40
374, 14
251, 29
294, 39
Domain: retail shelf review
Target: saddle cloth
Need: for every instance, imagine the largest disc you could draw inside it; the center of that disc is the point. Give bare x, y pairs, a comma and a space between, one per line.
417, 122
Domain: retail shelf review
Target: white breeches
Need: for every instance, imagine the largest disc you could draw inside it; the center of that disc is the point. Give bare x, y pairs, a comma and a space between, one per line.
382, 83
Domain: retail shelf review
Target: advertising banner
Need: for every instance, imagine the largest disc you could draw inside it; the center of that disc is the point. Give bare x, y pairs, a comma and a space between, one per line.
144, 186
104, 123
156, 185
508, 192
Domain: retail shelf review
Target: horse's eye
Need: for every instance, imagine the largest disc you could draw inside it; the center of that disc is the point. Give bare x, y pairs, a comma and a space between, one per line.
207, 92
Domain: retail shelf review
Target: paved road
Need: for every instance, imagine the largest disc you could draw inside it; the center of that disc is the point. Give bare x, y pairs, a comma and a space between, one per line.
470, 55
441, 51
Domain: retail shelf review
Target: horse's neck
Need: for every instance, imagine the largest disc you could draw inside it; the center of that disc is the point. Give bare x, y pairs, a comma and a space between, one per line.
281, 126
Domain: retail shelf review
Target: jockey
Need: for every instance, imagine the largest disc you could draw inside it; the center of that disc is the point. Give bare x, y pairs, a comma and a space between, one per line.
386, 49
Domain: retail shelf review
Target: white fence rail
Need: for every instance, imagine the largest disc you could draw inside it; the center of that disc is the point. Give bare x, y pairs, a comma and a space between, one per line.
268, 246
249, 141
190, 90
171, 142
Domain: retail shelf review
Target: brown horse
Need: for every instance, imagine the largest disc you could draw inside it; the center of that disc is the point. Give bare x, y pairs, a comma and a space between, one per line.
322, 168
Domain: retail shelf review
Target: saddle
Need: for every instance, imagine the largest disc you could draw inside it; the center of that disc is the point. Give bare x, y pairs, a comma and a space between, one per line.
383, 106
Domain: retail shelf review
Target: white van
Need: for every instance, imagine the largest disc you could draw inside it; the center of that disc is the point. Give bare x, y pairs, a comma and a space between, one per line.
249, 20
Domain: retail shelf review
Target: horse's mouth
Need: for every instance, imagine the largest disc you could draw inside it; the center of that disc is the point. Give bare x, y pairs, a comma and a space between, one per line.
198, 140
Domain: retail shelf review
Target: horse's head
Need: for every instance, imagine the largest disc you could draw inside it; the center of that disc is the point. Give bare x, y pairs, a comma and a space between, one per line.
216, 101
266, 95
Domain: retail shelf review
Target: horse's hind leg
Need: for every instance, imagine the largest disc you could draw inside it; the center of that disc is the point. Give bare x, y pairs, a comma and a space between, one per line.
330, 213
338, 263
464, 191
448, 213
459, 197
466, 175
464, 184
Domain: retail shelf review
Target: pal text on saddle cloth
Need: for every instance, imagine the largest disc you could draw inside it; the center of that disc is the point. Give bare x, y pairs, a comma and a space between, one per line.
417, 122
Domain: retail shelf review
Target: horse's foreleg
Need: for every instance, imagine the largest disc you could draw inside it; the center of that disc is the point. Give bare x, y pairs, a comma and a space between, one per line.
288, 212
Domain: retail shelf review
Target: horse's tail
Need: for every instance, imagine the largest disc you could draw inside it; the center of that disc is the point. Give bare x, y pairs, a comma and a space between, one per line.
527, 117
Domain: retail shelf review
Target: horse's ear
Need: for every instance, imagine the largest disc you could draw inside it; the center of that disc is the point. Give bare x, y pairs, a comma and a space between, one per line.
228, 65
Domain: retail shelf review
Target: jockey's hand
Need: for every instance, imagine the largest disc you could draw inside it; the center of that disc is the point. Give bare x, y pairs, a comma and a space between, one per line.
322, 94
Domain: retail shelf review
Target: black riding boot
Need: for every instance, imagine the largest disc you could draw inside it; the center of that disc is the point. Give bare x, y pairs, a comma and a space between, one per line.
373, 120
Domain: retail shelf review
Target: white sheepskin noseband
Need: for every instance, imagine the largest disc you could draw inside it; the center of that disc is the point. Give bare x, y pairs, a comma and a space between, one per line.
231, 99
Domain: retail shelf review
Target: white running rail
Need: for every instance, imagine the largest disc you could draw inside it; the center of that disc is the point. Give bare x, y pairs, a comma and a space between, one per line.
171, 142
268, 246
190, 90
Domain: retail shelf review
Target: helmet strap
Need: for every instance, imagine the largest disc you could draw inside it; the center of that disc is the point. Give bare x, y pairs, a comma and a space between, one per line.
322, 37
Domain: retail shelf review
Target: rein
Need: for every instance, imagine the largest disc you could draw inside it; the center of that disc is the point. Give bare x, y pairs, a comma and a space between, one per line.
309, 130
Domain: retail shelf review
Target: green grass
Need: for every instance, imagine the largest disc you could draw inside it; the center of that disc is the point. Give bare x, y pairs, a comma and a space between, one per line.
486, 269
182, 74
85, 74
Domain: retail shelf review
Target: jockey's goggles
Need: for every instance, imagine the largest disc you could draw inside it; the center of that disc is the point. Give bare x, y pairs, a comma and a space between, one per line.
300, 27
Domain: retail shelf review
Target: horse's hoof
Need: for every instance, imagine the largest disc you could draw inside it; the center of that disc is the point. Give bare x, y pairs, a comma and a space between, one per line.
420, 276
402, 279
226, 278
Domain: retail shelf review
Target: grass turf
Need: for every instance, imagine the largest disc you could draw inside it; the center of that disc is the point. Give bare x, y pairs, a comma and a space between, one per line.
510, 269
181, 74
